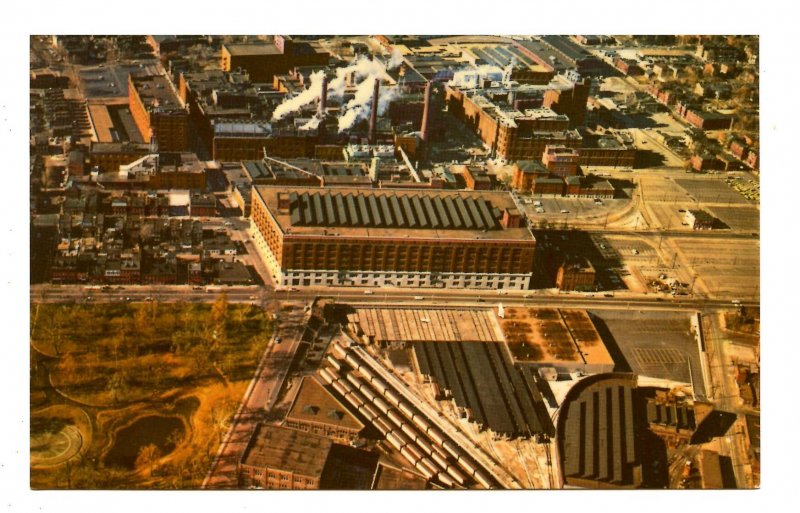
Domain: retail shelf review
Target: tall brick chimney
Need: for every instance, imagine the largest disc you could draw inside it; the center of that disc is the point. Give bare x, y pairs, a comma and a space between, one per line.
323, 99
423, 131
373, 115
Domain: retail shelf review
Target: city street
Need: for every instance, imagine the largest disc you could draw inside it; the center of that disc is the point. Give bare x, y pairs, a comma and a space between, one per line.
258, 401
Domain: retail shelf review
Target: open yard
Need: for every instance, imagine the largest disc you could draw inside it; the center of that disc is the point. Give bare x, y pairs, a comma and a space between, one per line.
726, 267
655, 344
136, 395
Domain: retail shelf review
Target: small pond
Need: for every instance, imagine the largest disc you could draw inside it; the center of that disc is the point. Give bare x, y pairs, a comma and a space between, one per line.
153, 429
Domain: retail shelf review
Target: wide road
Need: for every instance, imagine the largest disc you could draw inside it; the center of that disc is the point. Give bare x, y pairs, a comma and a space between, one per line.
261, 295
258, 400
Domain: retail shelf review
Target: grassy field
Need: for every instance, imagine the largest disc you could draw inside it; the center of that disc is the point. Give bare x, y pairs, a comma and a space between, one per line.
118, 366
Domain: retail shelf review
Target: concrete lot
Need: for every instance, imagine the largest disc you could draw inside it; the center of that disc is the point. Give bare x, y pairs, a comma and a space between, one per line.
665, 196
738, 218
712, 190
725, 267
656, 344
579, 210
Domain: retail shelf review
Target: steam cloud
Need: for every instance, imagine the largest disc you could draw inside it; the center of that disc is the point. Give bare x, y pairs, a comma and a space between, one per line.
470, 78
395, 60
308, 95
365, 71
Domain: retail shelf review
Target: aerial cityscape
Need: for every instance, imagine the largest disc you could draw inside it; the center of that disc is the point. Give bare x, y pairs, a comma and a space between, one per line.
394, 262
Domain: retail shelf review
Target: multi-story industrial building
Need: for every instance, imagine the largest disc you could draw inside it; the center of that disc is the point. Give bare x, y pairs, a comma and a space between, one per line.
110, 156
158, 112
264, 60
560, 160
315, 411
279, 458
576, 273
401, 237
514, 132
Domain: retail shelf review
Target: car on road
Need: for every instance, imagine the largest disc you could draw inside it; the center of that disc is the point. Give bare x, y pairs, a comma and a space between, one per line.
278, 340
368, 292
253, 298
419, 298
564, 211
127, 299
608, 294
197, 287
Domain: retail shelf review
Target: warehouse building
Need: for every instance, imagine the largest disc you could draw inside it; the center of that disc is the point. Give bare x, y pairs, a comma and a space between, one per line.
264, 60
158, 112
279, 458
597, 434
486, 387
400, 237
315, 411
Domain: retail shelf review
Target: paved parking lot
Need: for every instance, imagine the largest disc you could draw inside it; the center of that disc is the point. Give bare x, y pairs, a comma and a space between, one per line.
744, 218
713, 190
726, 267
656, 344
577, 208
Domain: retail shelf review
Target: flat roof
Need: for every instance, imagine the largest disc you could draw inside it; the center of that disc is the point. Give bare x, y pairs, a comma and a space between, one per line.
552, 336
387, 324
241, 49
393, 213
314, 404
156, 93
288, 450
102, 123
233, 128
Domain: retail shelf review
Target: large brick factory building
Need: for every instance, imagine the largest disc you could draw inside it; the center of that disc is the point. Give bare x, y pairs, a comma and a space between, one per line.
365, 237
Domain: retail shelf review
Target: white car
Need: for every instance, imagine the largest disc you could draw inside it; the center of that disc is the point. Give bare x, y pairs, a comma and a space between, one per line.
368, 292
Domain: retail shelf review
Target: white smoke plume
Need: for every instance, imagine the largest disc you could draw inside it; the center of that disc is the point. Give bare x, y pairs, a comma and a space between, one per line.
471, 78
362, 67
395, 60
308, 95
359, 107
312, 123
509, 69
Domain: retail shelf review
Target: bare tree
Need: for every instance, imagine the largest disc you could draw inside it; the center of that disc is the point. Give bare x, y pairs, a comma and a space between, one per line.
147, 457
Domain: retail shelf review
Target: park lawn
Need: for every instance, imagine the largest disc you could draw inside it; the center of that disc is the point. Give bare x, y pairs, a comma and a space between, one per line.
120, 362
